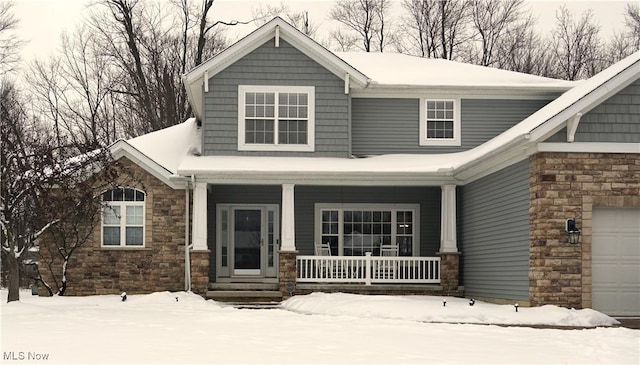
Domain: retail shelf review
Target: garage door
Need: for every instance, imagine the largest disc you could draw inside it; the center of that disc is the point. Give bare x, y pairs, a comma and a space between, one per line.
616, 261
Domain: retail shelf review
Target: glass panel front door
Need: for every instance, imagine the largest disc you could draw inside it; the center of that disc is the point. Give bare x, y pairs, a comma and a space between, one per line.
247, 241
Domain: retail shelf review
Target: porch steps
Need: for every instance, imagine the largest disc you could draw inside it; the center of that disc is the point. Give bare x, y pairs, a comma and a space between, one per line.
251, 294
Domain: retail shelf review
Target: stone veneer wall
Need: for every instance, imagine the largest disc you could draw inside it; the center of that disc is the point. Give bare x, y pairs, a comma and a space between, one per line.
566, 185
450, 273
159, 266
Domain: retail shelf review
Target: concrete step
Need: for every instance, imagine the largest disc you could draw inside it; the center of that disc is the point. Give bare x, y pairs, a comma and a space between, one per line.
244, 286
245, 296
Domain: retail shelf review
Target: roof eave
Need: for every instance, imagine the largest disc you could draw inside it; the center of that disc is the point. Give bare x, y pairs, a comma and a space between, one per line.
122, 148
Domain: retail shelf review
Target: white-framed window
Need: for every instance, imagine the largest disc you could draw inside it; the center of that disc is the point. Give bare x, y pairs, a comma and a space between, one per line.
123, 213
440, 122
276, 118
354, 229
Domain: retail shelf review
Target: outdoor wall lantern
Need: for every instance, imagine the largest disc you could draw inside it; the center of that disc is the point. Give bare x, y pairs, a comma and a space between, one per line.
572, 231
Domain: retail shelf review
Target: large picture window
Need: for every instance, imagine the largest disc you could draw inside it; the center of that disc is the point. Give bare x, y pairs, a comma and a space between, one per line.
440, 122
123, 217
276, 118
353, 230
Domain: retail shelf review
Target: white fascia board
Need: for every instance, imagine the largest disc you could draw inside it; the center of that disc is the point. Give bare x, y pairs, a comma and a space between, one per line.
331, 179
122, 148
495, 162
589, 147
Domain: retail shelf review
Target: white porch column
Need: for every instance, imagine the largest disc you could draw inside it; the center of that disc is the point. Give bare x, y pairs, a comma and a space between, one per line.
288, 219
448, 239
199, 219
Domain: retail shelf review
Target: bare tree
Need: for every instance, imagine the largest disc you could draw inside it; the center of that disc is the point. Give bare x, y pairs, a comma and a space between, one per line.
150, 46
576, 45
366, 19
77, 208
10, 43
74, 91
521, 49
436, 29
627, 41
492, 20
299, 19
632, 22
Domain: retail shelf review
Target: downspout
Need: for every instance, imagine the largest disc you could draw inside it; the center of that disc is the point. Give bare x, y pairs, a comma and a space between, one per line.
187, 244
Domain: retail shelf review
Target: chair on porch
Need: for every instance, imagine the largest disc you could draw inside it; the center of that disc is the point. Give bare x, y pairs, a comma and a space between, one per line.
323, 249
387, 269
389, 250
324, 268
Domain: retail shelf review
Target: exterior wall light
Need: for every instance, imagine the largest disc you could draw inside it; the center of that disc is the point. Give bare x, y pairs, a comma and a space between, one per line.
572, 231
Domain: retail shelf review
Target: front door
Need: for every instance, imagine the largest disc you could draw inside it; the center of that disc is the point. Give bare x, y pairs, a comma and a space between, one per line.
247, 241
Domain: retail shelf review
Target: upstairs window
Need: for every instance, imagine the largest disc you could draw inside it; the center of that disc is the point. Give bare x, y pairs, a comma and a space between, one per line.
440, 122
276, 118
123, 217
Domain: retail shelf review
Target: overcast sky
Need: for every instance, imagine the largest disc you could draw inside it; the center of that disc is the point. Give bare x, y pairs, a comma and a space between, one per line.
42, 21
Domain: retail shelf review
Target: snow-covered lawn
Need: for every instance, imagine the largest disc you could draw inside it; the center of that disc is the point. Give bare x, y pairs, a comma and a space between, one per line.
317, 328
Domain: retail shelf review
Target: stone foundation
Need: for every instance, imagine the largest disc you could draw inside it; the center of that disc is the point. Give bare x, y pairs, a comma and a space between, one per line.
570, 185
286, 271
450, 273
199, 272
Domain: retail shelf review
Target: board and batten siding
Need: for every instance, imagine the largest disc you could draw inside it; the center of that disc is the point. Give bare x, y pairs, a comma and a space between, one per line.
386, 126
615, 120
493, 234
282, 66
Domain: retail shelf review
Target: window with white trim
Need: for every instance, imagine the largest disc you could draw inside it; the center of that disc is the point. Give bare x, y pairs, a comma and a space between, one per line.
123, 214
353, 230
276, 118
440, 122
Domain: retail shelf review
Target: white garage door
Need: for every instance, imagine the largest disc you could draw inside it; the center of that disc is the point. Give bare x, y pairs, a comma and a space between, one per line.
616, 261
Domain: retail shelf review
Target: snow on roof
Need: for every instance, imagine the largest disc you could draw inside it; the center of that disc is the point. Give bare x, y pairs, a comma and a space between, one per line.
394, 163
395, 69
169, 146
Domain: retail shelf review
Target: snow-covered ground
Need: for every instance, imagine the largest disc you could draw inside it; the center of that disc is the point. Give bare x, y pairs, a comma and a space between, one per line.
318, 328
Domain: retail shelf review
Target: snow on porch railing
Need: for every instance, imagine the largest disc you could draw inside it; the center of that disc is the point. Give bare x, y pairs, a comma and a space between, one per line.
368, 269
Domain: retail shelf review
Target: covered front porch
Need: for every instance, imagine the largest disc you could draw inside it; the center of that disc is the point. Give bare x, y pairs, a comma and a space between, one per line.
288, 220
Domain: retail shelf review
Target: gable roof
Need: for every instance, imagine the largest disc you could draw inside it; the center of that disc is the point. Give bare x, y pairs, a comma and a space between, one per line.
539, 126
194, 79
161, 152
369, 70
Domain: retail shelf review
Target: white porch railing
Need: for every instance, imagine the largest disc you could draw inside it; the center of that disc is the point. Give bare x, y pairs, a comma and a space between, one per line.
368, 269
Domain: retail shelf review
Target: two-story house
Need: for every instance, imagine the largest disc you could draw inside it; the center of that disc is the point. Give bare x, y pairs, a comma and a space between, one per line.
302, 166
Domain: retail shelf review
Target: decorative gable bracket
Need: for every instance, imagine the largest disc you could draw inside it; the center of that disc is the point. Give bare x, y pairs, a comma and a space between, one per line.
572, 127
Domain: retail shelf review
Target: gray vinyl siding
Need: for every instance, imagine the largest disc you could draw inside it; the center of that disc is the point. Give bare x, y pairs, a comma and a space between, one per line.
384, 126
283, 66
427, 197
307, 196
493, 234
615, 120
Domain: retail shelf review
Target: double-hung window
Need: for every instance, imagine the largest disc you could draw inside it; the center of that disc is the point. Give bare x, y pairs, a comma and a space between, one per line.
353, 230
276, 118
440, 122
123, 217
